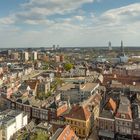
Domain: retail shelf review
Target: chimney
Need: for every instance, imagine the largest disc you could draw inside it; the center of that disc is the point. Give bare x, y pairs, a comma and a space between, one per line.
69, 105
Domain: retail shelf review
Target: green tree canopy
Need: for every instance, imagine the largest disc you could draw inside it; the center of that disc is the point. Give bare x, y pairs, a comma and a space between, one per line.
40, 135
68, 66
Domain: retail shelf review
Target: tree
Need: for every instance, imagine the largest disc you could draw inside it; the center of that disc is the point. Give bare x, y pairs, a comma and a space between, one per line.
43, 95
59, 81
48, 94
68, 66
46, 66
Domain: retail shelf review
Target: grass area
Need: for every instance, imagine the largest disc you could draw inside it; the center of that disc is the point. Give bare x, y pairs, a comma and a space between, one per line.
23, 136
42, 95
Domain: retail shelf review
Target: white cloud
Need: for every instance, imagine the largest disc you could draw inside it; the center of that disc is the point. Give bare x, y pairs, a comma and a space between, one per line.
75, 30
81, 18
50, 7
7, 20
36, 12
124, 15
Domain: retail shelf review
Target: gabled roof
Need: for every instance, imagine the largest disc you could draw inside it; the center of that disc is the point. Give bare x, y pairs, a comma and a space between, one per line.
32, 83
124, 108
106, 114
112, 104
79, 112
65, 134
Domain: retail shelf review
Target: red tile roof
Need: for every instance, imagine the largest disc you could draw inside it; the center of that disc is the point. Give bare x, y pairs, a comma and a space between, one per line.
112, 104
32, 83
79, 112
62, 109
67, 134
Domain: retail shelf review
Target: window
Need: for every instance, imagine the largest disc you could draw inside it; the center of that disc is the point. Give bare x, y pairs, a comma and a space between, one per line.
106, 127
123, 116
64, 138
79, 131
83, 132
136, 126
111, 128
73, 122
44, 114
128, 124
3, 133
13, 106
83, 124
36, 113
19, 106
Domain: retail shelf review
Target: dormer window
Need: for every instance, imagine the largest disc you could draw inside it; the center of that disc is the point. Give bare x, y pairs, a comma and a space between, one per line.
123, 116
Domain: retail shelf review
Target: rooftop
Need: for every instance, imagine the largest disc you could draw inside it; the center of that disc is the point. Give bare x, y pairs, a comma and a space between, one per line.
79, 113
124, 100
8, 117
83, 87
67, 87
66, 133
112, 104
107, 114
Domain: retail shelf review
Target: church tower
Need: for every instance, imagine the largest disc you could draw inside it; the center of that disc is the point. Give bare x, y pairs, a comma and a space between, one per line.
122, 48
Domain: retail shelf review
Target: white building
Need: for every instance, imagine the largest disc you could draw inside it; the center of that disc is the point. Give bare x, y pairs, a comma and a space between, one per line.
25, 56
76, 93
11, 121
34, 55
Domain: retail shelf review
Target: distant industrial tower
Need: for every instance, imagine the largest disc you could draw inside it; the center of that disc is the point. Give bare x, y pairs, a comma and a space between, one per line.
109, 46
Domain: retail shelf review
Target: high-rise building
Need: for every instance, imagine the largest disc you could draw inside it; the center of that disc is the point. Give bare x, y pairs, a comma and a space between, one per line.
34, 55
57, 58
25, 56
54, 47
15, 56
58, 46
61, 58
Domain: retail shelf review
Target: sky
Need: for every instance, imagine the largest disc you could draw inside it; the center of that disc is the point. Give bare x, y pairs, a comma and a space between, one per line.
69, 23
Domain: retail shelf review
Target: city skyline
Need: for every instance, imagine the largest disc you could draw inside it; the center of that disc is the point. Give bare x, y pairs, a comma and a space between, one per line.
33, 23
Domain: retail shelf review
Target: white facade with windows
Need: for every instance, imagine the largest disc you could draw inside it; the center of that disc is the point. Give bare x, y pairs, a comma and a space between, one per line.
11, 122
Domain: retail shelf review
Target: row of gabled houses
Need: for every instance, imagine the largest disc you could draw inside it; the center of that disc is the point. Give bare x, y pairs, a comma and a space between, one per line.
79, 116
119, 119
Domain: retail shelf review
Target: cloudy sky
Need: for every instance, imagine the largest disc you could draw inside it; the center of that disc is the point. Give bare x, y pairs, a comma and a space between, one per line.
42, 23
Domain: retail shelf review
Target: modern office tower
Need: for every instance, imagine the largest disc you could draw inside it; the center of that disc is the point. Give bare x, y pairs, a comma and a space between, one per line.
25, 56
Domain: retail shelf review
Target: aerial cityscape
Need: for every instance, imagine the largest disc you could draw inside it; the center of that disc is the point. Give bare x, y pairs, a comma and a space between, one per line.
69, 70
